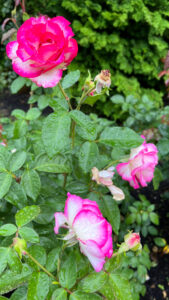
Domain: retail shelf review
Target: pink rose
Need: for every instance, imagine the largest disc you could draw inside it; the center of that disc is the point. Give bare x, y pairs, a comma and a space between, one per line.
140, 168
88, 227
43, 49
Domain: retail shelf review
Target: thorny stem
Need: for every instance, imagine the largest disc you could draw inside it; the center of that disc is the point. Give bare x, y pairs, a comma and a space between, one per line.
65, 95
39, 265
83, 97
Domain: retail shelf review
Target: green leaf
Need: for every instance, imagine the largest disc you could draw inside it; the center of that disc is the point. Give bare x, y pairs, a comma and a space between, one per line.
43, 101
88, 156
3, 258
10, 280
18, 113
121, 137
17, 84
38, 286
68, 272
59, 294
39, 253
70, 79
3, 161
154, 218
91, 100
55, 133
158, 177
111, 212
14, 262
93, 282
20, 128
87, 128
26, 215
7, 229
17, 160
3, 298
59, 104
160, 242
117, 99
78, 295
163, 146
29, 235
56, 165
5, 183
117, 287
19, 294
33, 114
31, 183
52, 259
16, 195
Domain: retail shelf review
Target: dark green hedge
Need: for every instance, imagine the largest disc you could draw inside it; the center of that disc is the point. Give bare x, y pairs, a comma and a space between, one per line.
129, 37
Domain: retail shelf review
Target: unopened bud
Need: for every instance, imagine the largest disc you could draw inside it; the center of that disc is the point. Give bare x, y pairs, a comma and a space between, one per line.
131, 242
20, 246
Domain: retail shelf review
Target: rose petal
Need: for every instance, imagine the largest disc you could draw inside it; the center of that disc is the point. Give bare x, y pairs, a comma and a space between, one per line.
49, 78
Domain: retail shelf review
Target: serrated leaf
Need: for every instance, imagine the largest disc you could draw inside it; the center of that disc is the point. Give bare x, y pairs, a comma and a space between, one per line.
5, 183
55, 133
19, 294
160, 242
117, 287
26, 215
16, 195
20, 128
14, 262
78, 295
38, 286
93, 282
33, 114
17, 84
18, 113
43, 101
68, 272
59, 104
87, 128
70, 79
163, 146
117, 99
111, 211
120, 137
3, 258
59, 294
88, 156
17, 160
52, 259
29, 235
7, 229
31, 183
10, 280
56, 165
38, 252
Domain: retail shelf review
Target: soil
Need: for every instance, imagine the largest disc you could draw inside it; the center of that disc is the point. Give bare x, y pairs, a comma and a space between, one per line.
158, 283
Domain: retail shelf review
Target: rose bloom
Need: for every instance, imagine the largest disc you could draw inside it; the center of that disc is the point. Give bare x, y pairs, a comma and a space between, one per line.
44, 47
141, 165
104, 177
88, 227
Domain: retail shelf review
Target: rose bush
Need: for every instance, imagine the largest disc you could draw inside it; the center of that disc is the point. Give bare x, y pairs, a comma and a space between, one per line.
48, 157
43, 49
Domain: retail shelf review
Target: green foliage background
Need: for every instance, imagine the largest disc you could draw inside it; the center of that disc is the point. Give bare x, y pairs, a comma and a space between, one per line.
129, 37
